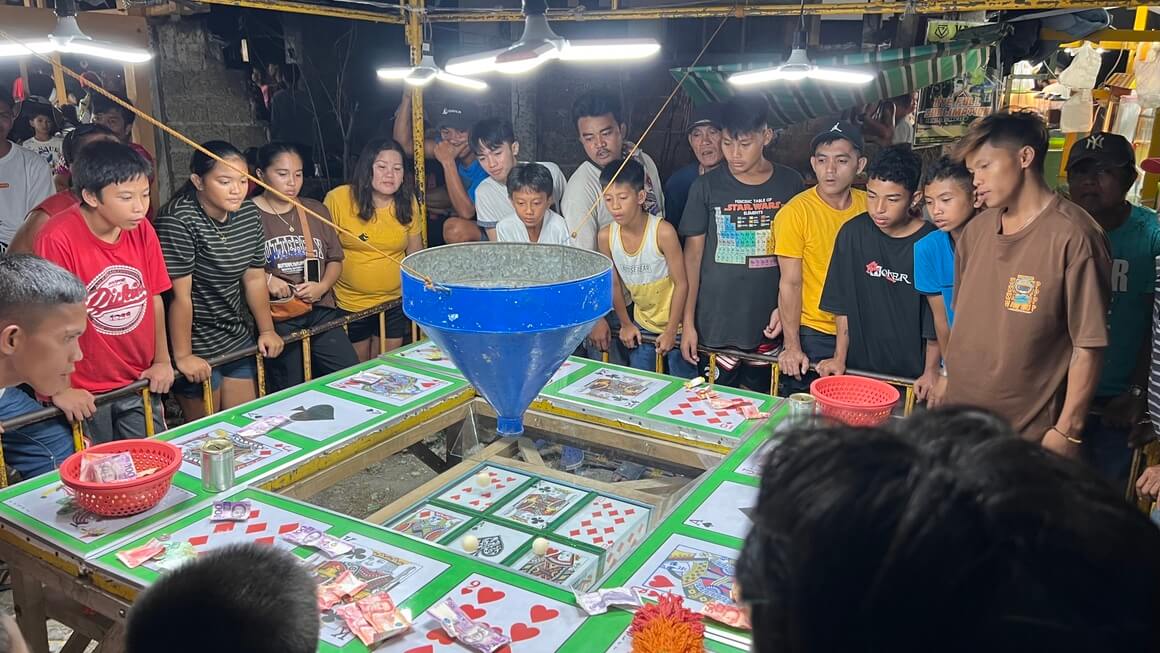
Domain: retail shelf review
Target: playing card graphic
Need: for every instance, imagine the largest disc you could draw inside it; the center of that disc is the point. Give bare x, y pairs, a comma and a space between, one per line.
541, 504
318, 416
723, 511
615, 387
752, 465
384, 568
495, 542
611, 524
476, 492
566, 368
534, 623
249, 453
687, 407
53, 506
699, 571
427, 352
390, 385
428, 523
562, 565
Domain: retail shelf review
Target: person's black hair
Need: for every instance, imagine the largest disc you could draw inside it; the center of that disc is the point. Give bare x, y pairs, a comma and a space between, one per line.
945, 168
102, 104
105, 163
945, 533
898, 164
491, 133
201, 164
597, 103
632, 174
34, 109
1021, 128
530, 177
243, 598
264, 156
745, 115
76, 138
364, 173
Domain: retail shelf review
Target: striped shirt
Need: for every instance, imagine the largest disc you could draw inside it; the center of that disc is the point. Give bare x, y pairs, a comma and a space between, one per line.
217, 255
1154, 375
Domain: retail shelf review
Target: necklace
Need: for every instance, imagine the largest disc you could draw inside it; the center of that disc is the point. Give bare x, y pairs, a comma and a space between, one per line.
216, 225
279, 215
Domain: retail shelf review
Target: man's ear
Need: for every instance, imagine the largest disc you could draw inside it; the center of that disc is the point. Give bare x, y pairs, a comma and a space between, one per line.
10, 337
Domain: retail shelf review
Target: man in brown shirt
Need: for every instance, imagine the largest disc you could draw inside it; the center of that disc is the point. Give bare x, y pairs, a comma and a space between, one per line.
1031, 290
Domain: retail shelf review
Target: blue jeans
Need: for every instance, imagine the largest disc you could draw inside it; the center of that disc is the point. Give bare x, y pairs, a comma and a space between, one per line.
37, 448
644, 357
818, 347
243, 368
1105, 448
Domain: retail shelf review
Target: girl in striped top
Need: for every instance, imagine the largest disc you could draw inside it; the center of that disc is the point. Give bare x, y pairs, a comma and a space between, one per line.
647, 260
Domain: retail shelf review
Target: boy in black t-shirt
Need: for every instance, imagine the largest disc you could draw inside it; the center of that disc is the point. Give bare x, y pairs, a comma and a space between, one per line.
884, 324
728, 229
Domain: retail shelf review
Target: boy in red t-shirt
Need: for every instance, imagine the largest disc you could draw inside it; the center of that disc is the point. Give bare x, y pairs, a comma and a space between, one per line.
108, 243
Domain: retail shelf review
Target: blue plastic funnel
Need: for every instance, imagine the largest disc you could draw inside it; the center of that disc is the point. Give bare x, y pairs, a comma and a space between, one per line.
507, 314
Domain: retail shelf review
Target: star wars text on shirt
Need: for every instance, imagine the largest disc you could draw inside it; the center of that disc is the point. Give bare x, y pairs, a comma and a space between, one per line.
745, 232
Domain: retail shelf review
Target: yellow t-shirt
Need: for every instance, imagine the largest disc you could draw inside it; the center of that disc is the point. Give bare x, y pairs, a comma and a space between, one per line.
806, 228
367, 278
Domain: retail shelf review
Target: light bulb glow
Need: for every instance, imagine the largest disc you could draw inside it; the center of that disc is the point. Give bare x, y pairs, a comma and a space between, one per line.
462, 82
393, 73
105, 51
608, 49
25, 48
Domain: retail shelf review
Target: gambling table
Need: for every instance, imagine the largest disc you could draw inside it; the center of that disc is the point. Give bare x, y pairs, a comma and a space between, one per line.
653, 533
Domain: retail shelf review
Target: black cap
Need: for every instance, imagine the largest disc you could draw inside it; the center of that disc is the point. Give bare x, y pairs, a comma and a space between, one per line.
840, 130
1111, 150
705, 114
457, 115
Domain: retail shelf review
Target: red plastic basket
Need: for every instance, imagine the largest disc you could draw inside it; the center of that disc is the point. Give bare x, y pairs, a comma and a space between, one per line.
124, 498
855, 400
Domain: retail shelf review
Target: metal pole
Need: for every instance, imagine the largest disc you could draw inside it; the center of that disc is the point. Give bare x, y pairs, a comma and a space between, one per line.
414, 34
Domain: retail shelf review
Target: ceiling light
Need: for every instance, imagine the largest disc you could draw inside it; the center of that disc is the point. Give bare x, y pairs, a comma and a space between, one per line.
798, 67
427, 72
68, 38
539, 45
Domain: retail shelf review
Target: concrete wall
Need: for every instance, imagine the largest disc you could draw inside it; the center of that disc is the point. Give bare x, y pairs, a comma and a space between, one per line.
196, 95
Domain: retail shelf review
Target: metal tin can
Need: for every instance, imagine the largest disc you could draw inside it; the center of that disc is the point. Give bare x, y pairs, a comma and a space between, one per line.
217, 465
802, 407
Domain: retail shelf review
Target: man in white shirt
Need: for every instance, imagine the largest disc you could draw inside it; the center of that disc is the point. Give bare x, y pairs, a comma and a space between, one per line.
598, 120
530, 186
496, 146
25, 180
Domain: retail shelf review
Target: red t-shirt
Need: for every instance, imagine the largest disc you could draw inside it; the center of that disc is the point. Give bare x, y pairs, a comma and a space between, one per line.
122, 278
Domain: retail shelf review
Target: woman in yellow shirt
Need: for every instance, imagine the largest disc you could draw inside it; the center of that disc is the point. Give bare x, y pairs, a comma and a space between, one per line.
379, 207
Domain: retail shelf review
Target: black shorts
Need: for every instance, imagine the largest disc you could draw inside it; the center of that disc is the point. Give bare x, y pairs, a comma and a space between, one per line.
398, 326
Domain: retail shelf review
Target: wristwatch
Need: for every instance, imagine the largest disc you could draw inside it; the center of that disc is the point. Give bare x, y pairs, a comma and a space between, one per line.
1136, 391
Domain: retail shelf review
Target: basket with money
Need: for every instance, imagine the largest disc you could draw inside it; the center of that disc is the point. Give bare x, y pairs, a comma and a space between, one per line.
121, 478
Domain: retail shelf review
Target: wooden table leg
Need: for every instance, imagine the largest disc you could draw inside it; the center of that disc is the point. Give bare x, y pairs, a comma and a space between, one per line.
31, 610
114, 641
77, 643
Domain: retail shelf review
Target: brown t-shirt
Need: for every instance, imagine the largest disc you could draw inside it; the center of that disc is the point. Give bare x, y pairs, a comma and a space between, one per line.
286, 248
1022, 302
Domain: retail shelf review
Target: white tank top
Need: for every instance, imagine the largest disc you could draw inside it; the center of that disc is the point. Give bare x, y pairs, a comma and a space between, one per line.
645, 274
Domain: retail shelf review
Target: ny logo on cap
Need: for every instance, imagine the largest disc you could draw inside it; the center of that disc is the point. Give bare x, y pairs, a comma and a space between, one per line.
450, 111
1095, 142
837, 127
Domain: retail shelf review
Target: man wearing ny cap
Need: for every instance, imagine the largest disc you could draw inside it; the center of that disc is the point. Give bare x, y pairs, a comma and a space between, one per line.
704, 135
804, 233
1101, 169
451, 148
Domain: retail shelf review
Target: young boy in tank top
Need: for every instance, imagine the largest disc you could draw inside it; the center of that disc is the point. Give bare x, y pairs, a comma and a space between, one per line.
647, 260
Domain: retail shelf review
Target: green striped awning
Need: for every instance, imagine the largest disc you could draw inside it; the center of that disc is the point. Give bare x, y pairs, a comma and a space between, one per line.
900, 71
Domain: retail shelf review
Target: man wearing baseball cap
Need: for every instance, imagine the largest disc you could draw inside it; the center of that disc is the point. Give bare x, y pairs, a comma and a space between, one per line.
804, 235
1101, 169
451, 147
704, 134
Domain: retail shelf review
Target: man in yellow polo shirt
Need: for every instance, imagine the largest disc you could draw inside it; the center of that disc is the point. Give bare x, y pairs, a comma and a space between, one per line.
804, 234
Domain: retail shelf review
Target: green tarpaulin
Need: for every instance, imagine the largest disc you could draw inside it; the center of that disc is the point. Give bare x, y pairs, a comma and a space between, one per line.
900, 71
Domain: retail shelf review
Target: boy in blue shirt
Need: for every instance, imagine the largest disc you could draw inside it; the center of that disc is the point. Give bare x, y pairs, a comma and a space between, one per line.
949, 194
1100, 171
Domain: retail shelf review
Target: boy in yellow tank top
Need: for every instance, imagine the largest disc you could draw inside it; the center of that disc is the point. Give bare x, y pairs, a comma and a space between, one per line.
647, 260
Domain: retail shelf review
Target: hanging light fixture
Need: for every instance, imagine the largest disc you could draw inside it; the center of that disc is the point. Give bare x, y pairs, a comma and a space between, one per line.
427, 72
68, 38
539, 45
799, 66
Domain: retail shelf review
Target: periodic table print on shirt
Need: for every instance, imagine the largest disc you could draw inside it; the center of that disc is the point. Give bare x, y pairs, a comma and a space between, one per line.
614, 525
469, 493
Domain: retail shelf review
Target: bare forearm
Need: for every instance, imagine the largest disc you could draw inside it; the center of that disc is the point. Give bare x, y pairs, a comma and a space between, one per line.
402, 128
1083, 373
842, 339
181, 326
258, 299
677, 307
460, 201
933, 356
160, 346
618, 300
789, 302
333, 272
694, 249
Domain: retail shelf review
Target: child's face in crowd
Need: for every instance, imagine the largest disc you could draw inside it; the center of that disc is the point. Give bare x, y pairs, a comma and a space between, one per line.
284, 174
115, 121
7, 115
602, 138
224, 187
998, 172
949, 203
121, 205
43, 126
387, 173
456, 138
836, 164
624, 202
706, 143
888, 203
1095, 187
498, 161
742, 152
530, 206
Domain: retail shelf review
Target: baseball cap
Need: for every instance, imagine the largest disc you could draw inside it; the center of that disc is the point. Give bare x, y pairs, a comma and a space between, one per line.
705, 114
1151, 165
841, 129
457, 115
1112, 150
